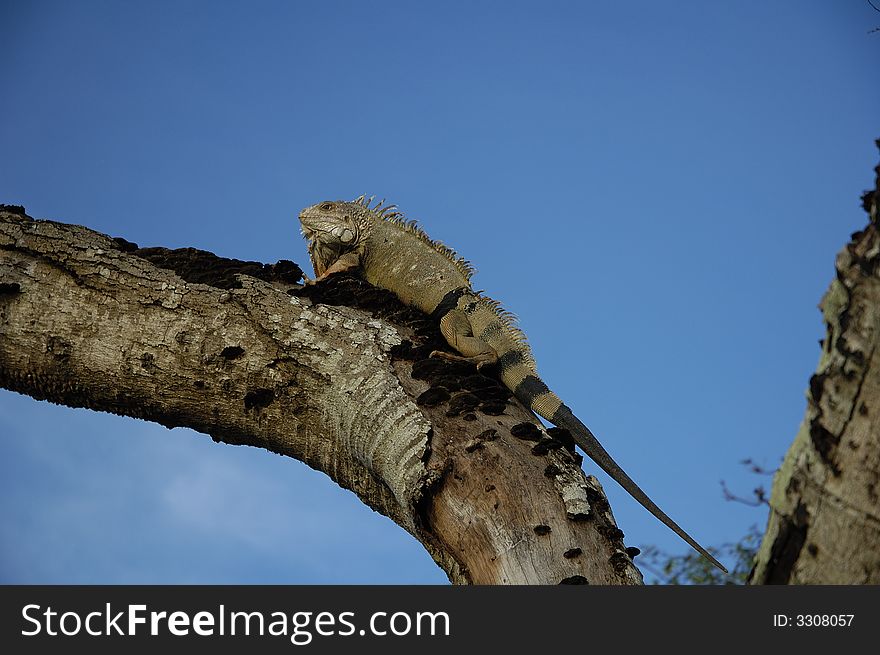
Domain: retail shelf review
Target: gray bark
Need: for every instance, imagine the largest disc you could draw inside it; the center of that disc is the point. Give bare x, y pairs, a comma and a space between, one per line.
183, 338
824, 525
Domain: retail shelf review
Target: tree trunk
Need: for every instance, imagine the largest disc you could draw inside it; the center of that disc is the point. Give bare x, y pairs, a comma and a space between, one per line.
335, 375
824, 525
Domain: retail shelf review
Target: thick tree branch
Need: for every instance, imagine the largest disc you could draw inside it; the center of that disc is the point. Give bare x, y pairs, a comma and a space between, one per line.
824, 525
186, 339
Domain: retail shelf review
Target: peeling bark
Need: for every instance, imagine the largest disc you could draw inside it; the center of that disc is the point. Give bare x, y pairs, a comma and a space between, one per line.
335, 375
824, 525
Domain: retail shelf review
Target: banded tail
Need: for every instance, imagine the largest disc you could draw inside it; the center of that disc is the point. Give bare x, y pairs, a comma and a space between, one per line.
532, 391
496, 327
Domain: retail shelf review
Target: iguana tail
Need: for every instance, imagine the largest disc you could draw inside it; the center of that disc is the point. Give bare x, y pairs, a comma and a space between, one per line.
532, 391
491, 324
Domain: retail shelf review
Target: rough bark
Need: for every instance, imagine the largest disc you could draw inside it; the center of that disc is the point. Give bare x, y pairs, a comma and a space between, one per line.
335, 375
824, 525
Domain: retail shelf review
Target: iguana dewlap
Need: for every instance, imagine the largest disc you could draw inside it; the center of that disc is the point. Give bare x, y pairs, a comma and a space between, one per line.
395, 254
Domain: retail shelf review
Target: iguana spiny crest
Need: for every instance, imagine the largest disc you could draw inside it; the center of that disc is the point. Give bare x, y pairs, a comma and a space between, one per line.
395, 254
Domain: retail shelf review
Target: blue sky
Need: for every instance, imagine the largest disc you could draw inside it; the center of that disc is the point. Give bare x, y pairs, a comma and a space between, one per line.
658, 190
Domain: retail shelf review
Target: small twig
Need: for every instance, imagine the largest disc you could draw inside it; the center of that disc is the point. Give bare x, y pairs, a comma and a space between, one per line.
754, 467
760, 496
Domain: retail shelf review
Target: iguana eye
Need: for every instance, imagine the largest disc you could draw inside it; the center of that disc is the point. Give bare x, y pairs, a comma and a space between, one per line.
326, 206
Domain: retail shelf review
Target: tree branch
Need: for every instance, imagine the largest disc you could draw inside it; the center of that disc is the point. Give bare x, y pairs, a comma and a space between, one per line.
238, 351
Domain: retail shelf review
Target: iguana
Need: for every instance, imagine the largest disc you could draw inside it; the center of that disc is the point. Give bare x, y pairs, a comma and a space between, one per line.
395, 254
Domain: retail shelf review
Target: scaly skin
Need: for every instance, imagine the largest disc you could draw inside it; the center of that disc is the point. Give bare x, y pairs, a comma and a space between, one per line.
397, 255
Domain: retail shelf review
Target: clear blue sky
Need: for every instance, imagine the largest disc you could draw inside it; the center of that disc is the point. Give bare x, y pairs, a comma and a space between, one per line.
658, 190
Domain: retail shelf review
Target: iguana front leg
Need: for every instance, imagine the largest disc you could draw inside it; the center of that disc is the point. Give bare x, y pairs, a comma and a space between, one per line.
347, 262
457, 331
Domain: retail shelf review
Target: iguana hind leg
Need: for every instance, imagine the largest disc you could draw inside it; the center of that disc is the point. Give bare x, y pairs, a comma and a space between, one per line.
457, 331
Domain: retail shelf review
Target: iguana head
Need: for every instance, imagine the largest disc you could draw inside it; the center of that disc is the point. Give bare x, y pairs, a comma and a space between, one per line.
332, 223
332, 228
